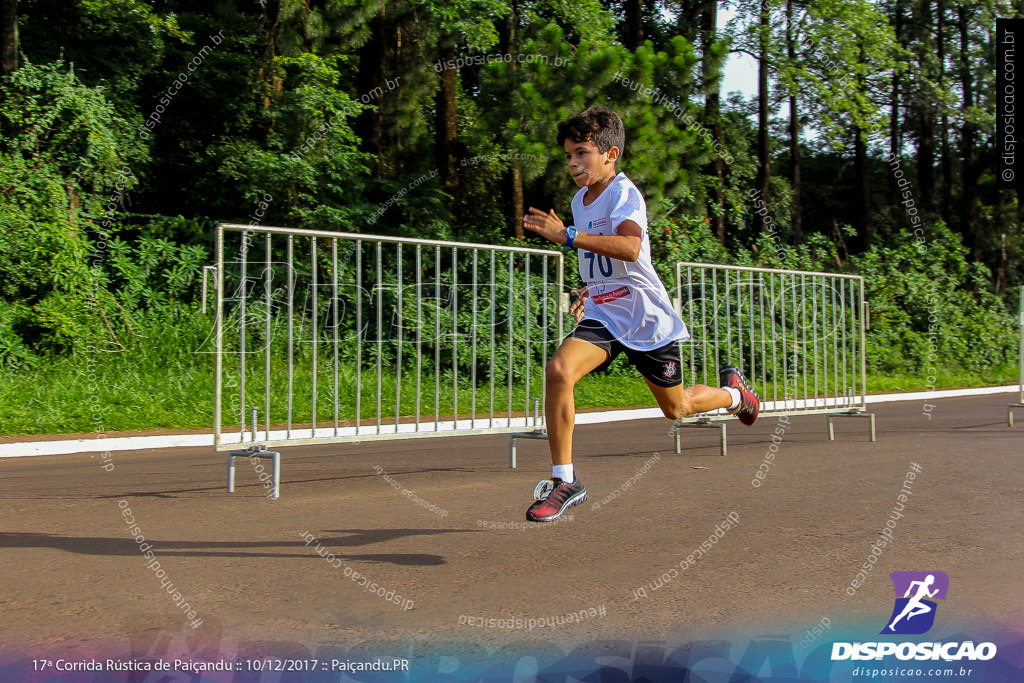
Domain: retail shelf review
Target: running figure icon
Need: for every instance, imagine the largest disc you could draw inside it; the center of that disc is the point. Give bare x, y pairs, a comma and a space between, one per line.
916, 596
915, 606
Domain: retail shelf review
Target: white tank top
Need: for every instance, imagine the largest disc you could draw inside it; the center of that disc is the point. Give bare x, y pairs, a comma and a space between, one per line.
626, 297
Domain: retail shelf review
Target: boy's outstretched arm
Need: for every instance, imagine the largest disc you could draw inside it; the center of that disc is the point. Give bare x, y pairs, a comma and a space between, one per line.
625, 246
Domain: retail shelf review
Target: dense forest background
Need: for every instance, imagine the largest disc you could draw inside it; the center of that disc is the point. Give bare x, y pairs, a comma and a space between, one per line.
128, 129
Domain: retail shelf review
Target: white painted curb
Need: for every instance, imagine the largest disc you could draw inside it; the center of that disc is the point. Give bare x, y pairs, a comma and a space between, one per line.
134, 443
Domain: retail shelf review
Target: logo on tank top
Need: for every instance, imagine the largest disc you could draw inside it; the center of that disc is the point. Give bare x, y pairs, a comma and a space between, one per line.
606, 297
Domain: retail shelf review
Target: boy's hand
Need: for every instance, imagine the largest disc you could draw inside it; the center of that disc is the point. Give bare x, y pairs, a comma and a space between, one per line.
547, 225
577, 307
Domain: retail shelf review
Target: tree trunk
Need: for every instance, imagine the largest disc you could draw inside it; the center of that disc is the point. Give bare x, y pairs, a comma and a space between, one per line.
518, 205
969, 226
446, 121
895, 147
763, 160
712, 116
369, 125
634, 24
926, 159
794, 132
926, 122
8, 37
509, 46
862, 173
945, 159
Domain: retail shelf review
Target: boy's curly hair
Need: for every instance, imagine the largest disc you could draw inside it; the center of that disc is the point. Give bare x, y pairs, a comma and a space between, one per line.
599, 125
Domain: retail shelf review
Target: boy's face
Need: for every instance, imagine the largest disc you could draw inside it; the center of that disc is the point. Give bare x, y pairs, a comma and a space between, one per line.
587, 165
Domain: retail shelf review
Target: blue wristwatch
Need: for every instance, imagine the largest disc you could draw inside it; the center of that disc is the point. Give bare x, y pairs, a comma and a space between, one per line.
570, 236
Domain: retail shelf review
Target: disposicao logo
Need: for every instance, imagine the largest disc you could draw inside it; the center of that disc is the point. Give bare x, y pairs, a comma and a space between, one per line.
913, 614
914, 611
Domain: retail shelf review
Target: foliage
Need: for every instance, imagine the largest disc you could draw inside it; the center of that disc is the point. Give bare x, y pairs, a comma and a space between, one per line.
66, 162
104, 231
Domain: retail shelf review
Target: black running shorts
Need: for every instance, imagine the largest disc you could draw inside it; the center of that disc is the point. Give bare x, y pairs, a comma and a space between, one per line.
661, 366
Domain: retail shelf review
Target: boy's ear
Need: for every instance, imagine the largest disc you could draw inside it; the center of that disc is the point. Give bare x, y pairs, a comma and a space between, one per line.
613, 153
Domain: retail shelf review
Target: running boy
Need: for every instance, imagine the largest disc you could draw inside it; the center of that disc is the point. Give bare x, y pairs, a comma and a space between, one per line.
624, 307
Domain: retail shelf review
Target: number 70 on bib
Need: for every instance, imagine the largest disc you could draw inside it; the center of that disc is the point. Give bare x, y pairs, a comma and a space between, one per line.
604, 266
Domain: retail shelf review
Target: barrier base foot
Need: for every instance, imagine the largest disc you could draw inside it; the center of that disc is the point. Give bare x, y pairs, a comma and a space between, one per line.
1009, 412
256, 452
850, 413
706, 423
535, 434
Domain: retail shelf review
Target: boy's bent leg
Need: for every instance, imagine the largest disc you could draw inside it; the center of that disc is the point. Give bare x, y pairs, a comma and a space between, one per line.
574, 359
678, 401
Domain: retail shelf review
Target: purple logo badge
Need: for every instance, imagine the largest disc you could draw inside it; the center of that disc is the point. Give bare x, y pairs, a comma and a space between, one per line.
916, 592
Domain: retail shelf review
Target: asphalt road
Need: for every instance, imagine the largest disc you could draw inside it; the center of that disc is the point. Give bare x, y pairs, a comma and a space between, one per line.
460, 553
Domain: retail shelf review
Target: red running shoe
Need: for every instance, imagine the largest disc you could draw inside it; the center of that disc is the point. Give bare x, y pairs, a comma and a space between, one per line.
750, 404
558, 497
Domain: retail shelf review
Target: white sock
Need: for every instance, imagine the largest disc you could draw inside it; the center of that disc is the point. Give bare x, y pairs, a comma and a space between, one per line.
735, 393
563, 472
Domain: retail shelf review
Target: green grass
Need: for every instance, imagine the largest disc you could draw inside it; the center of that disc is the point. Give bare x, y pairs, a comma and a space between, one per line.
131, 394
160, 382
946, 378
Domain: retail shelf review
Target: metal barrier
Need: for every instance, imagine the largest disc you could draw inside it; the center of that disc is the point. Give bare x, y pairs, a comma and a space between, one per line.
1020, 361
341, 337
798, 336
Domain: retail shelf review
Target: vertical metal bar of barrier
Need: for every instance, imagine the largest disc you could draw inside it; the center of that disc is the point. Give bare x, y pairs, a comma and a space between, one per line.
717, 339
400, 336
359, 335
787, 367
419, 335
437, 338
511, 322
729, 358
455, 339
266, 342
493, 330
753, 363
836, 389
315, 332
823, 332
802, 338
702, 334
544, 343
814, 337
863, 346
218, 371
764, 350
795, 345
755, 360
771, 323
379, 295
334, 324
526, 328
561, 288
291, 334
243, 253
473, 341
740, 358
848, 297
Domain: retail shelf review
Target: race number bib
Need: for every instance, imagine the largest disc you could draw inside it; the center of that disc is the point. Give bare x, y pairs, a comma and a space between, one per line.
594, 267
